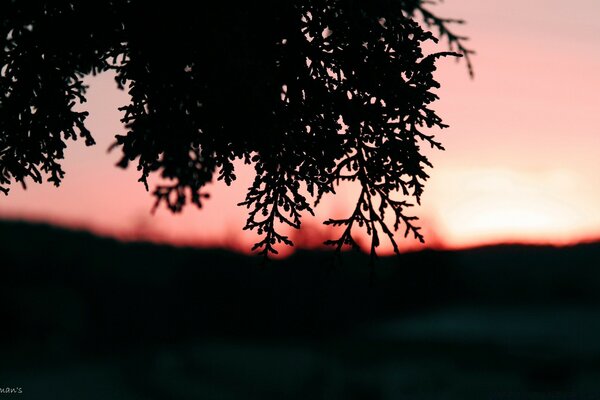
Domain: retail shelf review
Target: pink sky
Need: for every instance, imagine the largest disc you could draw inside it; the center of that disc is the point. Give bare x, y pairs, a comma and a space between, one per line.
522, 155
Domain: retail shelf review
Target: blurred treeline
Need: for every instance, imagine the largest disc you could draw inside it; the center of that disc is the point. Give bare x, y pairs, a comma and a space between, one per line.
97, 318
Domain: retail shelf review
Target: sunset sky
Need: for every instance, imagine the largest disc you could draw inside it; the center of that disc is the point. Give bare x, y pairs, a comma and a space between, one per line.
522, 159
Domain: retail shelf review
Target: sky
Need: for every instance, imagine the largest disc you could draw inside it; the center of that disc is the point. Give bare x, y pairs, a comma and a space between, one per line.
521, 164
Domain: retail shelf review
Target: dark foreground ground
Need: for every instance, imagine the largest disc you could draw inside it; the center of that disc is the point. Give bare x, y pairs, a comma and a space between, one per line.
89, 318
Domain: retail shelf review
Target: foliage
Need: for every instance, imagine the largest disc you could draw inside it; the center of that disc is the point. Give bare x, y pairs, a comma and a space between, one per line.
312, 92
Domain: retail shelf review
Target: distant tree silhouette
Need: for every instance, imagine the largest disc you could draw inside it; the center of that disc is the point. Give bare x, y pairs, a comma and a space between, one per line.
312, 92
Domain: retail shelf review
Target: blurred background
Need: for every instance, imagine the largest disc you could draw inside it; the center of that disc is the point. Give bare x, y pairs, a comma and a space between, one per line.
87, 317
502, 299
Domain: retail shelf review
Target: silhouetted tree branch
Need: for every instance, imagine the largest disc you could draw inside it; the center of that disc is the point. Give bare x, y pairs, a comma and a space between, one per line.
311, 92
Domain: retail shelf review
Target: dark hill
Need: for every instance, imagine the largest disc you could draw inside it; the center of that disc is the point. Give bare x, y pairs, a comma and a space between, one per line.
69, 299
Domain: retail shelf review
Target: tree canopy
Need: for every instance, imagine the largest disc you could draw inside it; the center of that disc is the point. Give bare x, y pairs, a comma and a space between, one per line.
311, 92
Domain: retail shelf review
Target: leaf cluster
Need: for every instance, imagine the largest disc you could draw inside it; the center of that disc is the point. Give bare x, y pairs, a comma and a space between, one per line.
312, 93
